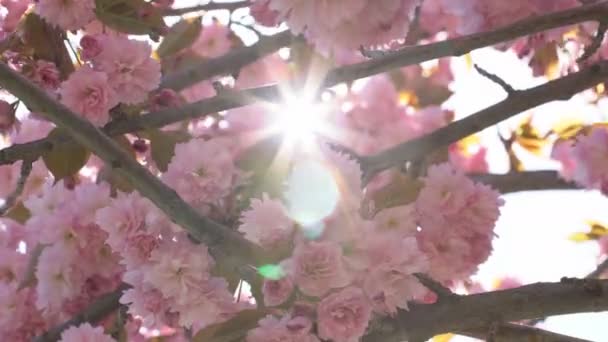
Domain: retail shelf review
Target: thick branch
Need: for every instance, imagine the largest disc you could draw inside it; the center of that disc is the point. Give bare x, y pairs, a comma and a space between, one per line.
222, 241
516, 333
95, 312
517, 102
228, 63
480, 311
525, 181
230, 6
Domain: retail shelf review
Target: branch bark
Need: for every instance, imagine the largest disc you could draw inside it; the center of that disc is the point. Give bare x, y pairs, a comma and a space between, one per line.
525, 181
517, 102
228, 63
222, 242
212, 6
480, 311
95, 312
510, 332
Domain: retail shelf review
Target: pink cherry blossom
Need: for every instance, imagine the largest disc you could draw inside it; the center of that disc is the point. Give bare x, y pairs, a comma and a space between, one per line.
267, 70
88, 93
457, 217
267, 223
177, 269
262, 13
14, 9
400, 219
318, 267
469, 162
286, 329
57, 278
389, 281
590, 153
213, 41
343, 316
85, 333
46, 74
276, 292
202, 172
68, 15
20, 320
563, 152
449, 196
131, 229
132, 75
91, 47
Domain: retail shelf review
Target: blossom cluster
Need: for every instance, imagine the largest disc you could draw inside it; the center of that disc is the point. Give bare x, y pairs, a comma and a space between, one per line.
338, 265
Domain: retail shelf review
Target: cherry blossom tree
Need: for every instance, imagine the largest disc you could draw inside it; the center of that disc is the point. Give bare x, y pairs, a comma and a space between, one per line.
288, 170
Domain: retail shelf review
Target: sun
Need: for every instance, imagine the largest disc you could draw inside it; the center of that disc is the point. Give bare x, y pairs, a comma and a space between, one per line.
301, 121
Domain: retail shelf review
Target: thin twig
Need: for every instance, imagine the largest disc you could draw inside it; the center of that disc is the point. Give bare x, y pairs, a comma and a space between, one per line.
26, 169
212, 6
496, 79
414, 30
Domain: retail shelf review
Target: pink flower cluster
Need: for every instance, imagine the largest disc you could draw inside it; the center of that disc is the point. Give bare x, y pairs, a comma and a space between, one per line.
203, 173
457, 218
583, 159
112, 77
343, 24
461, 17
358, 268
169, 274
67, 14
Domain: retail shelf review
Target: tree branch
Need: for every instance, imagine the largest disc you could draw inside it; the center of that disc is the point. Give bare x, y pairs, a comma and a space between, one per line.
494, 78
462, 45
407, 56
560, 89
228, 63
225, 244
525, 181
509, 332
480, 311
211, 6
95, 312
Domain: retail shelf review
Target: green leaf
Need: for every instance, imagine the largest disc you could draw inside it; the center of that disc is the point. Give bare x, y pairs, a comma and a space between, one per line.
130, 16
65, 160
19, 213
180, 36
232, 330
46, 42
163, 146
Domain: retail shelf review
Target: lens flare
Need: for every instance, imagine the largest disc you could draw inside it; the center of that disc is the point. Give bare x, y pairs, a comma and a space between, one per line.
312, 193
